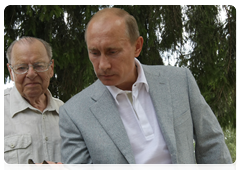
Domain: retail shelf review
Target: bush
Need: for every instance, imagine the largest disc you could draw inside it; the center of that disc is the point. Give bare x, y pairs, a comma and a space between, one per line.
230, 139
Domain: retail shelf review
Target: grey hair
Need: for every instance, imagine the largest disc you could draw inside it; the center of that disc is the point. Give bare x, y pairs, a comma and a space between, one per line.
28, 40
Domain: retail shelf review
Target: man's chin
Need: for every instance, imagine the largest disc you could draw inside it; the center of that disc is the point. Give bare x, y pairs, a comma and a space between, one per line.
107, 82
32, 93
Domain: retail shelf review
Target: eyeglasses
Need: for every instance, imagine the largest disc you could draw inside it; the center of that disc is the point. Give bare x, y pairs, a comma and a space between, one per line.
23, 68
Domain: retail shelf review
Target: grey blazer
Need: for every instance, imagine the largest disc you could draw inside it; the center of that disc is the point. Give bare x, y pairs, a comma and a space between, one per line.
92, 130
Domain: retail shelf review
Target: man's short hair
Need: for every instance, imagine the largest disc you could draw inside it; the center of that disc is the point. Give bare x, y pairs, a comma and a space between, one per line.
131, 23
29, 40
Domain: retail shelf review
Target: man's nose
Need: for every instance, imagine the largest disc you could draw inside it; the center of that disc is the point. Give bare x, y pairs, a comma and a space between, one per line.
31, 73
104, 63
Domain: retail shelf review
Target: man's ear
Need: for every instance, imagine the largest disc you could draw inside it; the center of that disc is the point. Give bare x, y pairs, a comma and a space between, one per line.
138, 46
11, 72
52, 68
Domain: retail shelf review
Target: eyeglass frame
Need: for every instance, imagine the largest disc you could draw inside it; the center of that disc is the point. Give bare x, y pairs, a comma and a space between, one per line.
29, 65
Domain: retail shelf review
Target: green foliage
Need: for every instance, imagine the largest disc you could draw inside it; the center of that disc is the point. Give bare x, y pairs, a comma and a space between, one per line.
73, 70
230, 139
211, 58
148, 19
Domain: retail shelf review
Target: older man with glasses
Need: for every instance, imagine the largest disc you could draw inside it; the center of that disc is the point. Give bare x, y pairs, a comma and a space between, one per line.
31, 130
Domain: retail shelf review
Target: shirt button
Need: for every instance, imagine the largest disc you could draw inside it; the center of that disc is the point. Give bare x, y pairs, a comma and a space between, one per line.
46, 138
44, 117
12, 146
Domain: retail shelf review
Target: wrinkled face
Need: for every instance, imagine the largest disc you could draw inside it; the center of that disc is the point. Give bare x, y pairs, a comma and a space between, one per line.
31, 84
111, 52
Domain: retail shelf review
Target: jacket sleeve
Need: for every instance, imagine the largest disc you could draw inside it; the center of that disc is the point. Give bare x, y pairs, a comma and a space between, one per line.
73, 147
210, 147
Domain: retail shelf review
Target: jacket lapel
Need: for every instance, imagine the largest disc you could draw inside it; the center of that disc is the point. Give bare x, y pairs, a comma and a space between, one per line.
161, 97
105, 111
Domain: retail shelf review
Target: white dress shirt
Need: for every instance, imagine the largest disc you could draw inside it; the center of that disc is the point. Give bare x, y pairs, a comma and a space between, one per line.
28, 132
140, 121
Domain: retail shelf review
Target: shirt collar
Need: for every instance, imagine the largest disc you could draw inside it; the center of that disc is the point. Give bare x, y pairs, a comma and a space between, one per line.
18, 103
140, 80
141, 76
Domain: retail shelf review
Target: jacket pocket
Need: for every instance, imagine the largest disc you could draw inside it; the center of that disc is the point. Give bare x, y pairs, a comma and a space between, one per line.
17, 148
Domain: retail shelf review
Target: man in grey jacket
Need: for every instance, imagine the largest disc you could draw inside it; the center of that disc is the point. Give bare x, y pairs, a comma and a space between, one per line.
135, 113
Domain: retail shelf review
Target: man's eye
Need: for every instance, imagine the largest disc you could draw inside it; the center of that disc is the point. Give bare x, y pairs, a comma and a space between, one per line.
21, 68
113, 52
94, 52
39, 66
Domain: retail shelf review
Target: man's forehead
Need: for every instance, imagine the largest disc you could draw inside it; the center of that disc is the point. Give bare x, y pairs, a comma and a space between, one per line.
26, 43
107, 42
107, 31
27, 49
